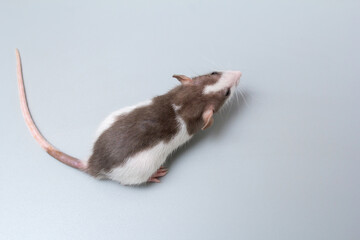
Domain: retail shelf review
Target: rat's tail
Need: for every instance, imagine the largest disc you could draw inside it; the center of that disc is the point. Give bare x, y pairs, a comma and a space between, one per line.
62, 157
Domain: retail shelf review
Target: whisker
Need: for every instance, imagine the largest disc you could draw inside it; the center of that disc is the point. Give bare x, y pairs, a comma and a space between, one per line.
243, 97
237, 97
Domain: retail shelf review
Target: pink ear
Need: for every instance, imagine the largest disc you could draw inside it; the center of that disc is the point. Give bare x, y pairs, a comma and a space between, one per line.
208, 118
183, 79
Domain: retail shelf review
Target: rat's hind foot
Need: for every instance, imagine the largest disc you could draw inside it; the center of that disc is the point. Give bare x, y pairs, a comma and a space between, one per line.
159, 173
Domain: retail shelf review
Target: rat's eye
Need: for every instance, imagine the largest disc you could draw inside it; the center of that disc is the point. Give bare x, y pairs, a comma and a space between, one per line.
228, 92
214, 73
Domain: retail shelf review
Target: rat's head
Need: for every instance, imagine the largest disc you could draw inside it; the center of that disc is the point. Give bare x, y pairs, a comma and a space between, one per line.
200, 97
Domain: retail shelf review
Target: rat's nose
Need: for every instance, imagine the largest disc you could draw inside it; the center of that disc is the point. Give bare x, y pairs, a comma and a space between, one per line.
236, 76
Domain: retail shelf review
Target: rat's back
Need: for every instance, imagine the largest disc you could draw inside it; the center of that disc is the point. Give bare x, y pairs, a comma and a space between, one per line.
134, 141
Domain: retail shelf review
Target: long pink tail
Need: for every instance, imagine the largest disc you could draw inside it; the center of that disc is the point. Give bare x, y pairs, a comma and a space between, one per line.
62, 157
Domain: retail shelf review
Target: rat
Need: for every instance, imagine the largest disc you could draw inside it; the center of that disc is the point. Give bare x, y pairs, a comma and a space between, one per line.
133, 143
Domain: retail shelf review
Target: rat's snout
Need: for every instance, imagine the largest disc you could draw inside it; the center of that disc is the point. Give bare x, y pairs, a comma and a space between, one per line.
228, 79
237, 75
234, 76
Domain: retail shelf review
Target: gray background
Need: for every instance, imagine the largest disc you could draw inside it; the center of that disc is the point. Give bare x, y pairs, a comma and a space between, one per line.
282, 165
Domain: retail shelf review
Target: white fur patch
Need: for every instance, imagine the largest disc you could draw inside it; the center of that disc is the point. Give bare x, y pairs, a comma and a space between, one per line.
176, 107
109, 120
139, 168
228, 79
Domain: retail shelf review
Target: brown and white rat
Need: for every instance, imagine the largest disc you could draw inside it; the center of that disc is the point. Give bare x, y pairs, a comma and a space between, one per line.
133, 143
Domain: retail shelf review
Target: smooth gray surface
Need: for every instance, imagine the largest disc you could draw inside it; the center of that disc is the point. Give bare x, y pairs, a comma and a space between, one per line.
283, 165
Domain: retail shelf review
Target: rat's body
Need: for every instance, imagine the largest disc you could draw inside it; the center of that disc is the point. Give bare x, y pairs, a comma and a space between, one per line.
133, 142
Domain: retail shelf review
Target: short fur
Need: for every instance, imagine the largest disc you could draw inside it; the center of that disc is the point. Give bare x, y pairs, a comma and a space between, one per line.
139, 167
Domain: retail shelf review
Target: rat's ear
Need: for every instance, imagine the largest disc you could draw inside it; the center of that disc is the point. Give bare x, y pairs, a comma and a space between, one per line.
183, 79
208, 117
